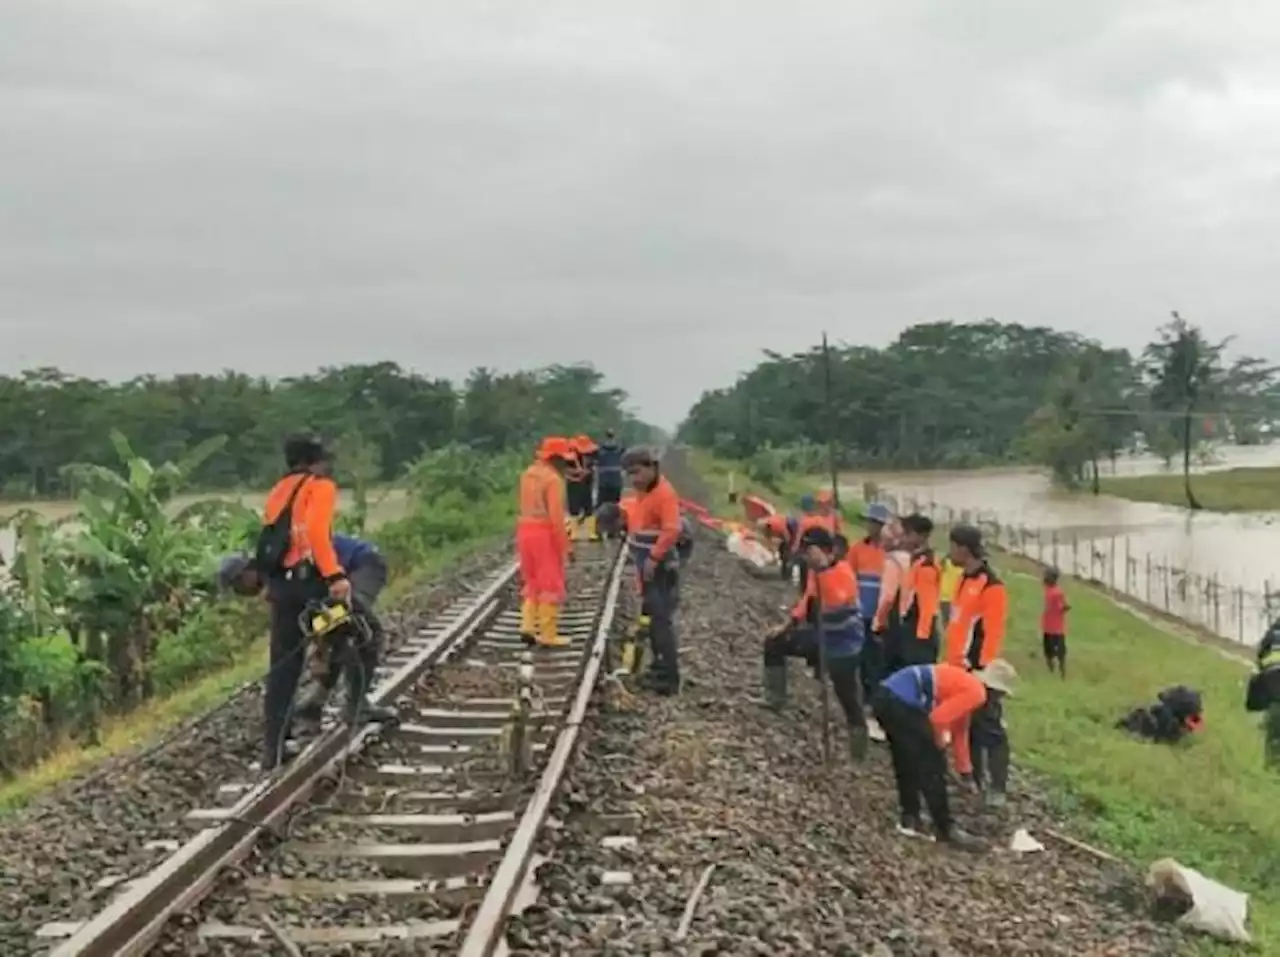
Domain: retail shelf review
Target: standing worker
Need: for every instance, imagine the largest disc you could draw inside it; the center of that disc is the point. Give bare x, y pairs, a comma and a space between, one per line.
866, 557
296, 558
817, 511
581, 478
1053, 623
655, 529
780, 530
949, 582
609, 470
542, 543
831, 597
907, 616
916, 706
975, 638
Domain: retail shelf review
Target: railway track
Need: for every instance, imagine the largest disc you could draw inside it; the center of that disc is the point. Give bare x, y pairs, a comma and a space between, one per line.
417, 838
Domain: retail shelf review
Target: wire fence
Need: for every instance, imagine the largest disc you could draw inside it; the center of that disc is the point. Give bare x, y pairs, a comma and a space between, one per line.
1228, 610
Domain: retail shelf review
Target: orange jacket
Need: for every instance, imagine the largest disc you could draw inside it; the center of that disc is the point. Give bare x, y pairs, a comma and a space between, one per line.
311, 532
541, 500
829, 521
628, 506
956, 694
866, 558
924, 579
657, 510
979, 612
834, 588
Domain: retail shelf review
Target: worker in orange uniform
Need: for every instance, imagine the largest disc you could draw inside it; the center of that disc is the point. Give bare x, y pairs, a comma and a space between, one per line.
780, 531
581, 482
542, 543
830, 598
906, 618
296, 559
654, 534
816, 511
916, 706
866, 557
975, 638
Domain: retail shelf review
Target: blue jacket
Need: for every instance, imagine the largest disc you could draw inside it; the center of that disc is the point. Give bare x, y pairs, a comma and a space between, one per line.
352, 551
609, 463
913, 686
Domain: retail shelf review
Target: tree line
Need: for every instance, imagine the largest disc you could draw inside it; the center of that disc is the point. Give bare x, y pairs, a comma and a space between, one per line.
380, 417
954, 395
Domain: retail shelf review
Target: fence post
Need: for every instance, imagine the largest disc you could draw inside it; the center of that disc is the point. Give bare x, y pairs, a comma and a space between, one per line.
1217, 622
1075, 554
1164, 568
1148, 577
1113, 563
1240, 614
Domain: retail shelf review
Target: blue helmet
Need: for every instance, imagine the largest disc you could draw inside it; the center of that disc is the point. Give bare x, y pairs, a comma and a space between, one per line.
879, 512
807, 503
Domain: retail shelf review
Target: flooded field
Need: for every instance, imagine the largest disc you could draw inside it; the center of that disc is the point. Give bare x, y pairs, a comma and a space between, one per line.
1218, 570
384, 506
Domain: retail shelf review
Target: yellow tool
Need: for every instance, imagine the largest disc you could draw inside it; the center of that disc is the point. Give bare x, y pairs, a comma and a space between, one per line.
633, 645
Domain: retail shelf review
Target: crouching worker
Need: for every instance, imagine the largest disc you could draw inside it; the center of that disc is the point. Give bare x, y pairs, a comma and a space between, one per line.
916, 706
830, 605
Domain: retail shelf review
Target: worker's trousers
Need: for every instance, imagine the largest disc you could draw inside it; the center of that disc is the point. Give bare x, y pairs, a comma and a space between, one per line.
980, 744
919, 766
288, 599
660, 598
842, 669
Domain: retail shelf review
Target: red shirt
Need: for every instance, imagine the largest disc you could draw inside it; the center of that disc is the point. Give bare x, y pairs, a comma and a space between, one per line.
1053, 621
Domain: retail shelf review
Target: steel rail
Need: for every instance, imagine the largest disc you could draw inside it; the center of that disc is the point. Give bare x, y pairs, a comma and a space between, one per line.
487, 927
131, 923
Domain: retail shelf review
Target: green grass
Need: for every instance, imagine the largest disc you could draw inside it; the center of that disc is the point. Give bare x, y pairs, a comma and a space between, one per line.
1209, 803
1232, 490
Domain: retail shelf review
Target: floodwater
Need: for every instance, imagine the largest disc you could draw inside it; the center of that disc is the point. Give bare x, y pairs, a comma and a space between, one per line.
1215, 569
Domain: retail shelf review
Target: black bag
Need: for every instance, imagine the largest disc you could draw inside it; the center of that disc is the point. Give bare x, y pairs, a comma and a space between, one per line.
684, 544
275, 537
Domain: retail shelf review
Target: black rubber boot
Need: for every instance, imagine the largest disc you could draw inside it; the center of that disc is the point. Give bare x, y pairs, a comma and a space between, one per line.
998, 767
961, 840
773, 682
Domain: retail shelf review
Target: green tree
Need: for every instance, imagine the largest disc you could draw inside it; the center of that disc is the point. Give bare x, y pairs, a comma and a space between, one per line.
1184, 371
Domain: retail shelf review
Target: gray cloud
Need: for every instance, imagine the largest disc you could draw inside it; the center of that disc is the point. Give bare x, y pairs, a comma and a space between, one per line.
662, 188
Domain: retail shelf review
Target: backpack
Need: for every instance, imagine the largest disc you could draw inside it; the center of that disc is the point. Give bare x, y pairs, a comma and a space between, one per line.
275, 537
684, 544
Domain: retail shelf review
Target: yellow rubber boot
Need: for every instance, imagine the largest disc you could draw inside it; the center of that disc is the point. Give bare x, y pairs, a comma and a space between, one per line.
528, 619
592, 532
549, 627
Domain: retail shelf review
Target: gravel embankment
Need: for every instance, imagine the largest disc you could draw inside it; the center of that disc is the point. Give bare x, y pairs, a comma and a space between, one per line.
58, 850
807, 860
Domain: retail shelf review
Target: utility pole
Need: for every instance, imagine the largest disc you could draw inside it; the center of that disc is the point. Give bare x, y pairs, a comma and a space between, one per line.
835, 494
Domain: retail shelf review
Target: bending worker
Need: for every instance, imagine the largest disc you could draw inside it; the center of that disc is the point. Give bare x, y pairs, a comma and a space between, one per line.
542, 543
974, 639
830, 601
655, 528
346, 652
916, 706
296, 557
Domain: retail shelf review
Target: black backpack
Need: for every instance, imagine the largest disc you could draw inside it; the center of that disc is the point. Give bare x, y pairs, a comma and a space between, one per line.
275, 537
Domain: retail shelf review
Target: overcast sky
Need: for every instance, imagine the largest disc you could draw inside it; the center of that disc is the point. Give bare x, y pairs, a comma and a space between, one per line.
662, 187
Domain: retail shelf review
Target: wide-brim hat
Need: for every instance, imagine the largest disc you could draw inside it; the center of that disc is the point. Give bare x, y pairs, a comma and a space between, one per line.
879, 512
999, 675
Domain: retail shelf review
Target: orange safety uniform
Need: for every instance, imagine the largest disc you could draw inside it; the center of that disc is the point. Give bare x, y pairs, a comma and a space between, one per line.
542, 544
908, 609
654, 522
974, 638
311, 530
866, 558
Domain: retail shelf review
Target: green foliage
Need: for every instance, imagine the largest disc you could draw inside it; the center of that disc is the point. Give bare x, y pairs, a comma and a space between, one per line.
380, 418
954, 395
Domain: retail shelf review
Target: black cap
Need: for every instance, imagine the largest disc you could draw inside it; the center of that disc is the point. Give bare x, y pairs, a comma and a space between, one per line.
635, 458
918, 524
304, 450
819, 537
968, 537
